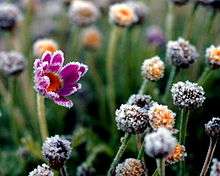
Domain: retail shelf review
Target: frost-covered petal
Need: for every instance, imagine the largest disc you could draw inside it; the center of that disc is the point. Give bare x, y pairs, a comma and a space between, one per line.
70, 89
63, 102
46, 57
56, 61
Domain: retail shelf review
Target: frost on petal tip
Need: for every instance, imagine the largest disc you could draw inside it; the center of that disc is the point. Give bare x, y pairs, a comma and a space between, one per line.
63, 102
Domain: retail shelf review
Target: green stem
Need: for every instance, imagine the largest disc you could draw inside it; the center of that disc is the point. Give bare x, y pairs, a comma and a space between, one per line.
205, 75
183, 126
63, 171
155, 173
110, 67
169, 20
143, 87
161, 166
209, 156
41, 117
141, 152
169, 83
119, 153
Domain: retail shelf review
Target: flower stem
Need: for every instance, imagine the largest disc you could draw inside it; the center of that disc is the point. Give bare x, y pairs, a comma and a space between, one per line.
143, 87
141, 152
63, 171
205, 75
169, 83
155, 173
169, 20
119, 154
183, 125
110, 67
161, 166
209, 156
41, 117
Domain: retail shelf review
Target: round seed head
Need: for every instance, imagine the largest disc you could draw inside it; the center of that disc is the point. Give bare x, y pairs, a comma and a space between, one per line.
181, 53
84, 170
187, 94
42, 45
131, 119
56, 151
43, 170
212, 128
213, 56
160, 143
160, 116
83, 13
12, 63
122, 15
9, 16
215, 168
178, 154
91, 38
130, 167
153, 69
155, 36
142, 101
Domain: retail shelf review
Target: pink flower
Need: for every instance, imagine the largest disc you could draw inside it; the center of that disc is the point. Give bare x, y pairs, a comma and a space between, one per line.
55, 81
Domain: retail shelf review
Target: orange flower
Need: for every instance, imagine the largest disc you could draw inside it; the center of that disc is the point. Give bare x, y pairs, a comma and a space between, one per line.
178, 154
213, 55
43, 45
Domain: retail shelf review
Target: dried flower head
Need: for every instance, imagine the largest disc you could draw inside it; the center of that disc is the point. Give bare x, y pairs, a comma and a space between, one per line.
55, 81
178, 154
161, 116
140, 9
142, 101
43, 45
130, 167
91, 38
83, 13
160, 143
181, 53
187, 94
85, 170
213, 56
215, 168
9, 16
122, 15
43, 170
155, 36
180, 2
215, 4
212, 128
131, 118
153, 68
12, 63
56, 151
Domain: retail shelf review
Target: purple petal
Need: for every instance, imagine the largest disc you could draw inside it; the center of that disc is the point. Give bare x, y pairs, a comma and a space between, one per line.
69, 89
57, 61
46, 57
63, 102
83, 69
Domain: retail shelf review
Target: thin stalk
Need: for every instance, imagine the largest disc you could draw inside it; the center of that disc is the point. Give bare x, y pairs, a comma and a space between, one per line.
169, 83
143, 87
169, 20
205, 75
161, 166
119, 153
155, 173
41, 117
63, 171
183, 125
141, 152
209, 156
110, 67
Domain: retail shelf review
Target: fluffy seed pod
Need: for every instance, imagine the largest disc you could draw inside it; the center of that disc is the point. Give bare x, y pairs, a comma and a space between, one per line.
160, 116
181, 53
56, 151
180, 2
155, 36
122, 15
43, 170
130, 167
42, 45
12, 63
142, 101
153, 68
215, 168
212, 128
178, 154
83, 13
213, 56
140, 9
131, 119
160, 143
187, 95
91, 38
84, 170
9, 16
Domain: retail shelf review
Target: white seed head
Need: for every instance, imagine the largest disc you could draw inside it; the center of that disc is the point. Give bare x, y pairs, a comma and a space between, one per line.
215, 168
143, 101
43, 170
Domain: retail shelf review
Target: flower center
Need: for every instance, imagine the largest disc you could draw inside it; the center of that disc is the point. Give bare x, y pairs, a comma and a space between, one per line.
55, 82
85, 13
216, 55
